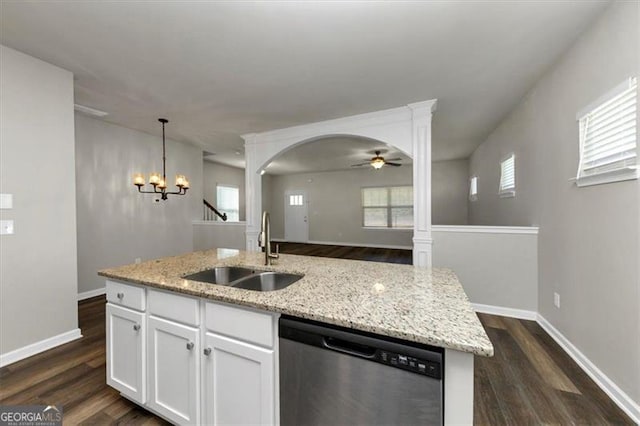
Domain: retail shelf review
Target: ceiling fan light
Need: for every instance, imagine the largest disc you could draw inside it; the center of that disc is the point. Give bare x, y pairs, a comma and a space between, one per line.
377, 163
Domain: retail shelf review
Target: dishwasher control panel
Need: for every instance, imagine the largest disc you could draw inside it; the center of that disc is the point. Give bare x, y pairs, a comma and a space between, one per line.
405, 362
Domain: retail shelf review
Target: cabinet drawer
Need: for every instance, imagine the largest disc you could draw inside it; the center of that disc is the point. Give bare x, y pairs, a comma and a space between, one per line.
241, 323
171, 306
126, 295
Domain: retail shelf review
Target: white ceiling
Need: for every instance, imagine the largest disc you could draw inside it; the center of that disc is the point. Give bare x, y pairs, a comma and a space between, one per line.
217, 70
334, 153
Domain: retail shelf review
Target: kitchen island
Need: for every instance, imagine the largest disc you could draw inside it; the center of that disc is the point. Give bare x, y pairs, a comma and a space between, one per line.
424, 306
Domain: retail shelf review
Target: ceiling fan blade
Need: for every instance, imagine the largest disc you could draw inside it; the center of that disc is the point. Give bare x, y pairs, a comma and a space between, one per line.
361, 164
392, 164
393, 159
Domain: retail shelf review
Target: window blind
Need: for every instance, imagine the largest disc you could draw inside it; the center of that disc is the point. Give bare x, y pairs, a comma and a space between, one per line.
508, 175
228, 201
608, 134
473, 188
388, 207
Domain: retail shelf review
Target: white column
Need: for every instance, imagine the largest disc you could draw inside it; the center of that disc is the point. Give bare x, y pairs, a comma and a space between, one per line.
458, 387
421, 135
253, 192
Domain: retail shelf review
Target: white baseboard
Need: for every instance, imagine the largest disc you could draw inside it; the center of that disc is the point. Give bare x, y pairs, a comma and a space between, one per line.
617, 395
505, 312
92, 293
37, 347
340, 243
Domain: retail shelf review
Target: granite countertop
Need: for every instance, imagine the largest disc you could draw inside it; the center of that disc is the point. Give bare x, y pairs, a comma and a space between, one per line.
415, 304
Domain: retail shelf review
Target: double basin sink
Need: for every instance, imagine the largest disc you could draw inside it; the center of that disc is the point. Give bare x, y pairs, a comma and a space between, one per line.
245, 278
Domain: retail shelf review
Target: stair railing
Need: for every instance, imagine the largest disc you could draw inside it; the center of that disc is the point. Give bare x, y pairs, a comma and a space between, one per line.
210, 212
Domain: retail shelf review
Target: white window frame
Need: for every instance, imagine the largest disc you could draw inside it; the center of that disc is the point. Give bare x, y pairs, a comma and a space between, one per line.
220, 209
296, 200
617, 175
507, 192
473, 188
389, 208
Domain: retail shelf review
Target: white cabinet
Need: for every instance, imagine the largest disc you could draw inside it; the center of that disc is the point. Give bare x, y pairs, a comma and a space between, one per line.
238, 381
174, 370
191, 360
126, 351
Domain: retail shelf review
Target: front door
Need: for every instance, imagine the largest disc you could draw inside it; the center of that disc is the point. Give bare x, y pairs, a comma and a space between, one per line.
296, 218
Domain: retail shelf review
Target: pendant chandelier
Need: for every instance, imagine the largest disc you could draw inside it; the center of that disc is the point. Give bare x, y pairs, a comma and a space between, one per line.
159, 182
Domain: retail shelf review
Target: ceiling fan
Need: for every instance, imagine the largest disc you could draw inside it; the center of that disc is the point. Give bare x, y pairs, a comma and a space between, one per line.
378, 161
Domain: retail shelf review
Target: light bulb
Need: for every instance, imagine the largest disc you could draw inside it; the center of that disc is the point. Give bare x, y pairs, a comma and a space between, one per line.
377, 163
138, 179
154, 178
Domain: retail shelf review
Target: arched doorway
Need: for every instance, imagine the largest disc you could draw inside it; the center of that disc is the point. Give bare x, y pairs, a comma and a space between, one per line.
408, 128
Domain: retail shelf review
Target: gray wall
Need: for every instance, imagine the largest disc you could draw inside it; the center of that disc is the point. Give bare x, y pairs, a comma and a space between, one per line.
449, 192
335, 208
214, 174
588, 242
498, 269
115, 223
211, 234
38, 283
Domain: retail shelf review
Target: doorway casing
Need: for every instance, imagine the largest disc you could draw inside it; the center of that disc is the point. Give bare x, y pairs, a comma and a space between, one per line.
408, 128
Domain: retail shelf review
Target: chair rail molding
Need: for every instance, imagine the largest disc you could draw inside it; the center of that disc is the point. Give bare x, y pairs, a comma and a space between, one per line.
408, 128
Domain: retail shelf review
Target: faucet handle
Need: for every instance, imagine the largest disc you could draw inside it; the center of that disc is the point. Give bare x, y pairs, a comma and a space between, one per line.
275, 255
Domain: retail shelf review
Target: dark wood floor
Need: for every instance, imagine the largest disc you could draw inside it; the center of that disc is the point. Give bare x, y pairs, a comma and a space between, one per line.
73, 375
529, 381
354, 253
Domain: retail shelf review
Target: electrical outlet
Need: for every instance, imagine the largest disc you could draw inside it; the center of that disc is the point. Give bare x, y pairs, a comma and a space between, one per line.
138, 260
6, 201
6, 227
556, 300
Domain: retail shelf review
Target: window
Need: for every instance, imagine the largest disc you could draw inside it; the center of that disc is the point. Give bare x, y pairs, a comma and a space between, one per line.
228, 200
508, 176
473, 188
607, 130
387, 207
295, 200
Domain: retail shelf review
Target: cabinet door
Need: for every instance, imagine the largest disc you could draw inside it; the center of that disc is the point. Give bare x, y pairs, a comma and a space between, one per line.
126, 352
174, 361
239, 382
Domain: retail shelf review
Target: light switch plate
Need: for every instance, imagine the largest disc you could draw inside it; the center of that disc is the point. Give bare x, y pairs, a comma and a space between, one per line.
6, 227
6, 201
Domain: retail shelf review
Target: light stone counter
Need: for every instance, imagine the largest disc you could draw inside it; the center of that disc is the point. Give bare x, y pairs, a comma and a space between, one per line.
419, 305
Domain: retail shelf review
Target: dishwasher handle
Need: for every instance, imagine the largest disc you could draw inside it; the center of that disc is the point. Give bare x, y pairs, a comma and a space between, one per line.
352, 342
347, 347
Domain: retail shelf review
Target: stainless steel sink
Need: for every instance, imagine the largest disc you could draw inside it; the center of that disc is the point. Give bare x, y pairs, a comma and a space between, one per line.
267, 281
245, 278
222, 275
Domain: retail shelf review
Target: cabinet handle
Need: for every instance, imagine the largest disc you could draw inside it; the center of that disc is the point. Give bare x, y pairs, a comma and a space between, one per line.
190, 345
136, 327
120, 296
207, 351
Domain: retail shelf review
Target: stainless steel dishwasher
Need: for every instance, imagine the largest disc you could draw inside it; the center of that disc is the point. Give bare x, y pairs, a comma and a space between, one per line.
335, 376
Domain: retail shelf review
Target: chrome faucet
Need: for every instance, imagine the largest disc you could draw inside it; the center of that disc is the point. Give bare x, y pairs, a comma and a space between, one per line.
265, 240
